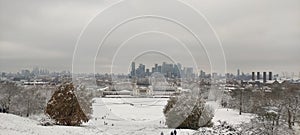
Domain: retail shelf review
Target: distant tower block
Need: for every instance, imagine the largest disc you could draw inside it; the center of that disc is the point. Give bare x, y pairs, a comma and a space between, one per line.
258, 75
253, 76
265, 76
133, 69
270, 76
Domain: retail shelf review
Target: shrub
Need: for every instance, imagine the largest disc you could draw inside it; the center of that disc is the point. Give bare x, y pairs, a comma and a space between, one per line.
187, 111
64, 108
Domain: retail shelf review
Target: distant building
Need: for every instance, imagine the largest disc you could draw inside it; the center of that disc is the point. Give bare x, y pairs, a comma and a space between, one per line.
265, 77
168, 70
188, 72
202, 74
133, 69
253, 76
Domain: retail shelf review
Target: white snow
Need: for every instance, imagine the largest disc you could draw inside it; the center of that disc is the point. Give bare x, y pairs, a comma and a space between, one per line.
15, 125
114, 116
297, 128
231, 116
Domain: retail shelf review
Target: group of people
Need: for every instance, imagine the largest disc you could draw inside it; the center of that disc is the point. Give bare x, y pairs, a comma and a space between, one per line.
3, 110
172, 132
105, 117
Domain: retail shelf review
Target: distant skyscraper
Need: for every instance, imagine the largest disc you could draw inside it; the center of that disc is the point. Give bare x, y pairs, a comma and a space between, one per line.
270, 76
238, 74
133, 69
163, 68
258, 75
156, 68
153, 70
179, 66
147, 72
202, 74
159, 69
189, 72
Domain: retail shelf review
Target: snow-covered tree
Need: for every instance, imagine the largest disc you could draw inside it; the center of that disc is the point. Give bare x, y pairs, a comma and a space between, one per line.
187, 110
8, 90
257, 126
85, 99
222, 128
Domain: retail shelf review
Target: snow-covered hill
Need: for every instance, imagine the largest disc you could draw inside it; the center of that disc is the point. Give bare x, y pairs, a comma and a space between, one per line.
113, 116
16, 125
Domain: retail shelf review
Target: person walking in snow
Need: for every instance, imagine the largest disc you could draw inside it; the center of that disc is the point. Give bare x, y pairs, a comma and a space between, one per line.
162, 133
175, 132
172, 133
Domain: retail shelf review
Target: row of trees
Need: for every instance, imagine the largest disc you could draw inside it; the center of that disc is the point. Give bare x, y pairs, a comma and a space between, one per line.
35, 100
24, 101
277, 110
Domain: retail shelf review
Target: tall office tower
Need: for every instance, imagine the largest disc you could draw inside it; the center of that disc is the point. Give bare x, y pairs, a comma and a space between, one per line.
163, 68
253, 76
258, 75
143, 68
156, 68
202, 74
177, 70
265, 76
238, 73
147, 72
153, 70
270, 75
140, 71
179, 66
133, 69
189, 72
159, 69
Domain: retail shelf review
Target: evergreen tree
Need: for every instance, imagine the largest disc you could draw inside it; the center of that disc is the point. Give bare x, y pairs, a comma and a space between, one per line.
64, 108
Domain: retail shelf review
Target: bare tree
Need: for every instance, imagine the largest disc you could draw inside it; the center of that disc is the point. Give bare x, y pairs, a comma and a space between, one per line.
8, 91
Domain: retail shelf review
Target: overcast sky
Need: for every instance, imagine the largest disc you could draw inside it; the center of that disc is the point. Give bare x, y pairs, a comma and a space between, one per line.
256, 35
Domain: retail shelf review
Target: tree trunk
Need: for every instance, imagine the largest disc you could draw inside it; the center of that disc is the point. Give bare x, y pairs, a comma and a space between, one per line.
289, 118
295, 111
27, 115
241, 99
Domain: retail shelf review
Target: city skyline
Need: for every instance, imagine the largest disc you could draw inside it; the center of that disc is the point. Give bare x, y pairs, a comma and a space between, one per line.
257, 74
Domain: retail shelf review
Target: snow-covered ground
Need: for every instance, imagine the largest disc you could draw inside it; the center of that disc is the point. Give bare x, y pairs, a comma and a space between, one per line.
231, 116
133, 116
16, 125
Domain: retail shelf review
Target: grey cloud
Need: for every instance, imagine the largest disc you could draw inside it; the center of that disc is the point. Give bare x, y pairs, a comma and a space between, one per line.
256, 34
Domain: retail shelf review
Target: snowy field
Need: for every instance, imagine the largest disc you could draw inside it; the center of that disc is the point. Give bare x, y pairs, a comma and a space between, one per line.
115, 116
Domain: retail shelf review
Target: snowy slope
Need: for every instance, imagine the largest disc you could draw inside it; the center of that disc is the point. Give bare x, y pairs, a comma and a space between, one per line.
14, 125
113, 116
231, 116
